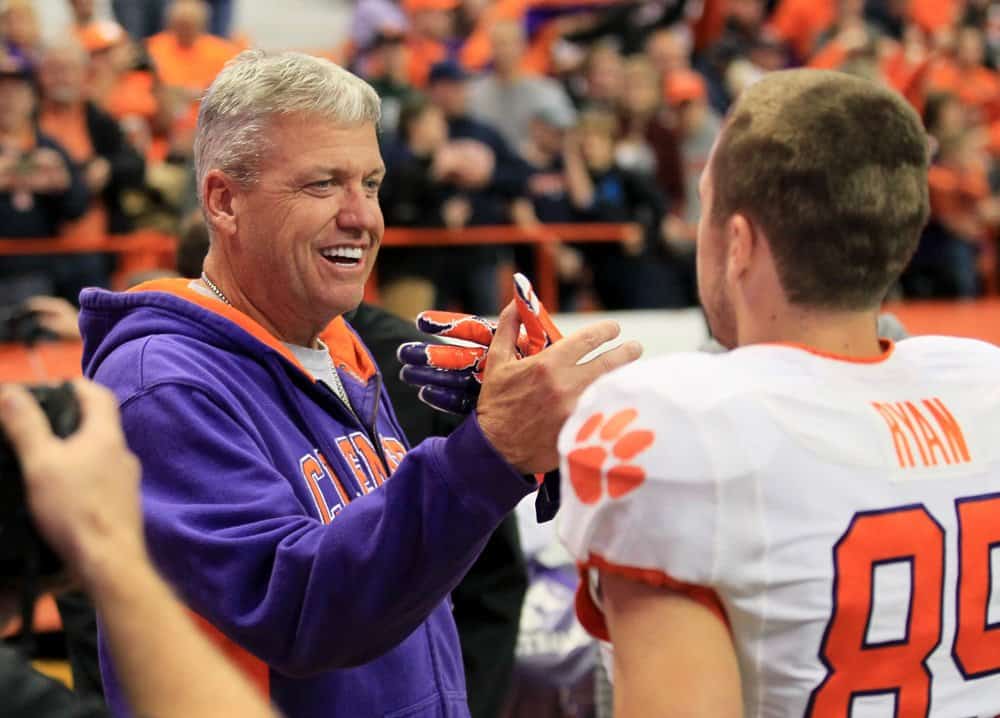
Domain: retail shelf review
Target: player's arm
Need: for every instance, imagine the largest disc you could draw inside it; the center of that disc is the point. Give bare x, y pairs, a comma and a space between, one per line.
673, 656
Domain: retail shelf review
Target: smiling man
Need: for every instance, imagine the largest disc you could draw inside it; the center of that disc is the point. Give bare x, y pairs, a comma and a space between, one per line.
279, 495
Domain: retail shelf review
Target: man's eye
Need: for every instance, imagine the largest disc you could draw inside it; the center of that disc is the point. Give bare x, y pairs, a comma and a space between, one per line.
322, 184
373, 185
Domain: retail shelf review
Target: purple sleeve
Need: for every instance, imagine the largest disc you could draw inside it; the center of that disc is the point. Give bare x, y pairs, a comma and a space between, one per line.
227, 529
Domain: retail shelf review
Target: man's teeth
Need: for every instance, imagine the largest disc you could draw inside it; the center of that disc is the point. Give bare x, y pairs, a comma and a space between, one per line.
343, 252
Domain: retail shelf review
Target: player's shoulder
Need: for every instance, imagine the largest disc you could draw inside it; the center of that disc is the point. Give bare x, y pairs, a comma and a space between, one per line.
680, 401
692, 381
949, 352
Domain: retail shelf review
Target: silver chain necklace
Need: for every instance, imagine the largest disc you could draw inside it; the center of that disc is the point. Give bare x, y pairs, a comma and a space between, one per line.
215, 290
338, 386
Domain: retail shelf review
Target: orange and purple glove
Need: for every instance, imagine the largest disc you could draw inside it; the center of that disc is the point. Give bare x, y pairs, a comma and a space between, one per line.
449, 375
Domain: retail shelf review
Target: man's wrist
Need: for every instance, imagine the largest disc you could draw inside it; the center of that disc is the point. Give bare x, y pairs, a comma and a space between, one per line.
111, 574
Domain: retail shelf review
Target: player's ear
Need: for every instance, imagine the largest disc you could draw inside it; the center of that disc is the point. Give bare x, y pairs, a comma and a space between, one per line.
740, 243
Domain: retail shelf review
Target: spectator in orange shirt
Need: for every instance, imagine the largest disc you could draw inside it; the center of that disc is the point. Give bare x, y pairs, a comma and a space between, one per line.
909, 66
847, 36
40, 189
108, 163
962, 217
993, 140
432, 25
979, 86
799, 23
473, 21
958, 66
933, 15
961, 186
123, 84
187, 58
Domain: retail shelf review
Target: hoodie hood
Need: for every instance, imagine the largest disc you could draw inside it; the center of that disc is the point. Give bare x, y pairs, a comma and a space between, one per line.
171, 306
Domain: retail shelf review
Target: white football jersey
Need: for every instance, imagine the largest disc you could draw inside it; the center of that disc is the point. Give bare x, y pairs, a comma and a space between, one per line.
843, 517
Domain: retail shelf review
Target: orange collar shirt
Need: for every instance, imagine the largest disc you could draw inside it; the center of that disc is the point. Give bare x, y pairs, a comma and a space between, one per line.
193, 67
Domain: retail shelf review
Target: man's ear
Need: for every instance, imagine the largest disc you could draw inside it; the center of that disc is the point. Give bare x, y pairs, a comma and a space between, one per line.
217, 191
741, 239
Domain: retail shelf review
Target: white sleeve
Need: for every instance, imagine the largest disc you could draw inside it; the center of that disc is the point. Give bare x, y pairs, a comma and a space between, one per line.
639, 495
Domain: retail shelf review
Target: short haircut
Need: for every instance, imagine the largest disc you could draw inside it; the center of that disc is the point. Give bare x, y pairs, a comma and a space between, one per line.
256, 87
833, 170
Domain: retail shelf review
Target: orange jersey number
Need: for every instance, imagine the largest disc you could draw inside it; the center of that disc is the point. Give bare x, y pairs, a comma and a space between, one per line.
908, 536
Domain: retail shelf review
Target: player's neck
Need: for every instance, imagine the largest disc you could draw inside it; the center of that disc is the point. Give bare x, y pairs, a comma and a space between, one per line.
851, 335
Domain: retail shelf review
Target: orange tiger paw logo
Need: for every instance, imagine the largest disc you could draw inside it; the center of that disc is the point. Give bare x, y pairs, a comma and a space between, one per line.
598, 440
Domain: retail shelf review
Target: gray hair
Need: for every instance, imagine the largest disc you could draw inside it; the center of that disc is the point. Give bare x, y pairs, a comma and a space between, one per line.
257, 86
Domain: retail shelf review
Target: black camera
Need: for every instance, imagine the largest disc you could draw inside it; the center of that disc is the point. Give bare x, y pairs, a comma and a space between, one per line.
20, 325
23, 553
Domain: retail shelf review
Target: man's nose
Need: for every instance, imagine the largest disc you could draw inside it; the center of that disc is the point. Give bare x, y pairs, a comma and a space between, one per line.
358, 212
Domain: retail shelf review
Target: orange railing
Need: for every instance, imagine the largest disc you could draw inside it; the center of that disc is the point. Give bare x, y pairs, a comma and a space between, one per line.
147, 249
139, 251
542, 237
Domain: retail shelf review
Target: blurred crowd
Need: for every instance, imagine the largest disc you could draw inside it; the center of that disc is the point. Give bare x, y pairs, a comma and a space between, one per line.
522, 112
96, 131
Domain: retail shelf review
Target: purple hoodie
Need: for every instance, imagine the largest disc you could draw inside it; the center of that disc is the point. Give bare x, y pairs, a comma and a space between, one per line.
265, 508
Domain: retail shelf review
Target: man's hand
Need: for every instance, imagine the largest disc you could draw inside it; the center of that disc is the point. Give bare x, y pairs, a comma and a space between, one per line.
8, 169
48, 172
456, 212
448, 375
83, 491
444, 163
524, 403
57, 315
97, 175
475, 165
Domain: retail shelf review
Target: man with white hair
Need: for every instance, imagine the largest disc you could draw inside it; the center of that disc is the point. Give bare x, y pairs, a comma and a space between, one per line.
279, 494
